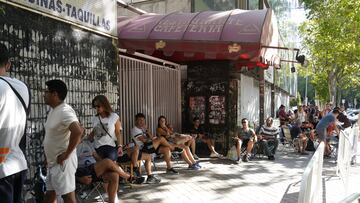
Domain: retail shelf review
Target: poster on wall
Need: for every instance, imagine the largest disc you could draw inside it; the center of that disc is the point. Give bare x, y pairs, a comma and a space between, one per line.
197, 108
217, 110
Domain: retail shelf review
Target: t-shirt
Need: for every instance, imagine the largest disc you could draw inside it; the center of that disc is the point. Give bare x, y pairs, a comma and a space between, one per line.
136, 134
197, 131
12, 126
84, 153
245, 134
269, 131
325, 122
100, 136
57, 132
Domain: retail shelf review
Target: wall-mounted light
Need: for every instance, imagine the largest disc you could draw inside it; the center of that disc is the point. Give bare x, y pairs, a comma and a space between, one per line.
293, 70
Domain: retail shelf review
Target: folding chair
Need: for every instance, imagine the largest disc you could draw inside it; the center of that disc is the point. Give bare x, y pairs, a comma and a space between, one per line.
288, 141
83, 192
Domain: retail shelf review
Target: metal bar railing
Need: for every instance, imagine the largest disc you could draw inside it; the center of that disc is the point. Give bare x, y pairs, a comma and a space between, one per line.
311, 182
344, 157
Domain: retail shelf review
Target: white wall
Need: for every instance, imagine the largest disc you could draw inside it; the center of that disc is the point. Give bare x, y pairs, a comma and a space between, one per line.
281, 98
158, 7
267, 103
249, 99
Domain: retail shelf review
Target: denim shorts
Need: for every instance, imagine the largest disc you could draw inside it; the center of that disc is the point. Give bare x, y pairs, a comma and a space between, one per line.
107, 152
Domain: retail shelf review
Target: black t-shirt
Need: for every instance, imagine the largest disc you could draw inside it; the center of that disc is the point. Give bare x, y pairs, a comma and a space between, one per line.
197, 131
295, 131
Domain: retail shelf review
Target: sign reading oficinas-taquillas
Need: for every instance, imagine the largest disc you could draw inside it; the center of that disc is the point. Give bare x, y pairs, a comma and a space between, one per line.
94, 14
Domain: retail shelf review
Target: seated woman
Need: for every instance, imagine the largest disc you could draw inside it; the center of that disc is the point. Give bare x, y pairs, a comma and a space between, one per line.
198, 133
166, 131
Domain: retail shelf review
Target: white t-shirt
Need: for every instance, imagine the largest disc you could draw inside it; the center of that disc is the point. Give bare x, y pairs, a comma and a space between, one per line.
85, 152
57, 132
136, 133
12, 125
100, 136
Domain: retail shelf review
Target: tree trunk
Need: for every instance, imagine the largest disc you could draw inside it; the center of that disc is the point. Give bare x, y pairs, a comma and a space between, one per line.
332, 86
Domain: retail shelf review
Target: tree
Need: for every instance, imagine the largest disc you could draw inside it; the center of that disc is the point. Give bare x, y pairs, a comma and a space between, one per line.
332, 36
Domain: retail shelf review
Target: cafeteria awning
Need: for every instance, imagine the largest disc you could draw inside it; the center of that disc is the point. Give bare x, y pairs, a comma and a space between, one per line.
238, 35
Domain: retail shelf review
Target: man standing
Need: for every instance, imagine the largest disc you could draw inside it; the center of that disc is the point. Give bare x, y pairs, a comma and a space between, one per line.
63, 134
13, 109
268, 138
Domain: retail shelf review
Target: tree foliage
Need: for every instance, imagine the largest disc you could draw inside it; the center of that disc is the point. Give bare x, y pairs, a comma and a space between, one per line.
332, 36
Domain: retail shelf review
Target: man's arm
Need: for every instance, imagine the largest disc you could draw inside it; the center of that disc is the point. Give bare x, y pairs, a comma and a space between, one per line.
75, 138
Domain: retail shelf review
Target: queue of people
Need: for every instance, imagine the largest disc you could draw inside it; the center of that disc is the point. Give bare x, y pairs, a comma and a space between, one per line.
71, 157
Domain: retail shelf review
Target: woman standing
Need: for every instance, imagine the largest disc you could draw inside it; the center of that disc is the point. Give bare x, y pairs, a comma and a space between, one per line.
106, 131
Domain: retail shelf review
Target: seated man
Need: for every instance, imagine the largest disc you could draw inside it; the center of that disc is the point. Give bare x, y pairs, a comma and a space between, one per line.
268, 138
299, 138
149, 144
89, 170
247, 137
198, 133
133, 153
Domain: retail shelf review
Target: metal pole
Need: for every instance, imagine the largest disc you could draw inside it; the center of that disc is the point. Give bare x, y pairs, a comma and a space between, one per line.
306, 86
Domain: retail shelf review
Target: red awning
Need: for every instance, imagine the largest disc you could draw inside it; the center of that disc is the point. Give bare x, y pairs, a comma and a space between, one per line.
236, 35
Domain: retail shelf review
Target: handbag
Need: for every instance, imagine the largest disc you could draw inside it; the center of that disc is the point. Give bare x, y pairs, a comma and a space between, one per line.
232, 153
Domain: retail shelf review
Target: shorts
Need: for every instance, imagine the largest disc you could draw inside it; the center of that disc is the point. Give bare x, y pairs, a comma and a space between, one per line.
61, 178
149, 148
87, 171
107, 152
11, 187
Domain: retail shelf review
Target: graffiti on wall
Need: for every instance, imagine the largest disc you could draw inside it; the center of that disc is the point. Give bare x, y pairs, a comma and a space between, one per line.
42, 49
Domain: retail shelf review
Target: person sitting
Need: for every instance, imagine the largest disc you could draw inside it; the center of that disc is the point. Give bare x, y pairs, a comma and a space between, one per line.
299, 138
198, 133
132, 152
149, 144
267, 138
165, 130
89, 170
245, 136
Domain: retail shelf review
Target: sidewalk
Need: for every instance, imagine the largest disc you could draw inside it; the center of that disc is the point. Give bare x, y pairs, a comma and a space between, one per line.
259, 180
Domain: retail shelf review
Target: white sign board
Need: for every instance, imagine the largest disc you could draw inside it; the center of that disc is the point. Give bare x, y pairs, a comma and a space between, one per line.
95, 14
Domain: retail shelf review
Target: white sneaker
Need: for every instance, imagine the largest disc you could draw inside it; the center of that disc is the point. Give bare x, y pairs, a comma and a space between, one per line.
214, 155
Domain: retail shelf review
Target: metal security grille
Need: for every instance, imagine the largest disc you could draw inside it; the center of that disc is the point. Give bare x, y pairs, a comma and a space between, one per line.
44, 49
151, 89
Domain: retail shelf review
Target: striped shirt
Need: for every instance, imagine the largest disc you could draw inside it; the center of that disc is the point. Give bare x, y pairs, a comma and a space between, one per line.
269, 131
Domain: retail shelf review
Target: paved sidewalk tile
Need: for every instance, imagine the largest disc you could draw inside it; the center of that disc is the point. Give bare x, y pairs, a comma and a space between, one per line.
259, 180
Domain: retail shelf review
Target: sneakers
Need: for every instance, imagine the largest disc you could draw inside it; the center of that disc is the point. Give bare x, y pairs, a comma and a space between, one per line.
172, 171
137, 180
196, 157
271, 158
151, 179
198, 165
246, 158
194, 167
215, 155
